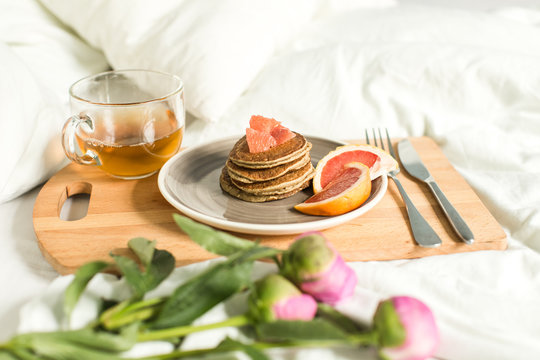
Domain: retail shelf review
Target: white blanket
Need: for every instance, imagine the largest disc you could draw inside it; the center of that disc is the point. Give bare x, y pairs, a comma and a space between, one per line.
469, 79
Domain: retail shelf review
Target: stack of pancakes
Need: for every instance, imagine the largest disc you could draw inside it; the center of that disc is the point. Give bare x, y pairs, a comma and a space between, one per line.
275, 174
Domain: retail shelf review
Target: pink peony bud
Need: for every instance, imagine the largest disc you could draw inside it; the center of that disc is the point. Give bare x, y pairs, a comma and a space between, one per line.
406, 329
313, 264
299, 307
276, 298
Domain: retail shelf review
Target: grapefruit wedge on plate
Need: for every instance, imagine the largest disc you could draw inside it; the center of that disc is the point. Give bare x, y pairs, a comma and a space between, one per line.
349, 189
377, 160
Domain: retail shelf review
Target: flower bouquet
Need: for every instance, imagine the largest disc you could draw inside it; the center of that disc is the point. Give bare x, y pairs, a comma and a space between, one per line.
296, 306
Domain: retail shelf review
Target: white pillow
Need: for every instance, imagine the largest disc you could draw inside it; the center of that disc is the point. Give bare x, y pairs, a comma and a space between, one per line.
217, 46
40, 59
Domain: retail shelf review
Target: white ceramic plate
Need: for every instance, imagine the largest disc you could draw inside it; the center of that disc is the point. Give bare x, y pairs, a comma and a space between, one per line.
189, 181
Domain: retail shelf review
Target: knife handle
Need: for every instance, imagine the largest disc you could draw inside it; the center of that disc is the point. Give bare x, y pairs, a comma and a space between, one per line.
423, 233
451, 213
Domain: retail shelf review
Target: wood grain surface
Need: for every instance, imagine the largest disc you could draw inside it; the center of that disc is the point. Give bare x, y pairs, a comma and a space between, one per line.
120, 210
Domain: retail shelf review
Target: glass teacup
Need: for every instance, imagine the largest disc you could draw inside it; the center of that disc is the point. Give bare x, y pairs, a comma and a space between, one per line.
126, 122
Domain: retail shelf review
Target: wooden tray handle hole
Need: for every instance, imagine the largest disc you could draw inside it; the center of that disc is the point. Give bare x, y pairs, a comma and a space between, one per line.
74, 201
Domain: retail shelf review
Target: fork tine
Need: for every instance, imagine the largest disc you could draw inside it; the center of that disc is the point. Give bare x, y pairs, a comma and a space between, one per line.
390, 145
374, 137
381, 139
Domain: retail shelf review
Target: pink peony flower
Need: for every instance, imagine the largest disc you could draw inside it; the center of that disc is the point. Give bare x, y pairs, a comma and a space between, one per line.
313, 265
299, 307
406, 329
332, 285
276, 298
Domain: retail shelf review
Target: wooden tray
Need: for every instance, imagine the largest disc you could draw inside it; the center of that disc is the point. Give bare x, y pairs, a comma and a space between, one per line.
120, 210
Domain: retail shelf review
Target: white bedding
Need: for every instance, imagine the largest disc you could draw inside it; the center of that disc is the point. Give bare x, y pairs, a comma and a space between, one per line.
470, 79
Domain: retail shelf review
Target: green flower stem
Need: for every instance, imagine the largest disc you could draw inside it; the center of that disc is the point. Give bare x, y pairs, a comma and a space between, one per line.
363, 339
125, 313
183, 354
188, 329
145, 303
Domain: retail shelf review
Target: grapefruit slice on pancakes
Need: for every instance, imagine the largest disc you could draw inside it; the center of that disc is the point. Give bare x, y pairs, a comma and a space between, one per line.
349, 189
259, 141
265, 133
377, 160
264, 124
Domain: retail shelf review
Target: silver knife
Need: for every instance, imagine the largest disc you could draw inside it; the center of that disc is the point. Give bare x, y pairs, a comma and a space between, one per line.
414, 166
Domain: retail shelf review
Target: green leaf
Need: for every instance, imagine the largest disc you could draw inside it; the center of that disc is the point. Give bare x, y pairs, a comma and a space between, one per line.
161, 266
214, 241
205, 290
81, 344
132, 273
70, 351
232, 345
317, 329
21, 353
158, 265
143, 248
83, 275
86, 337
202, 292
5, 355
102, 340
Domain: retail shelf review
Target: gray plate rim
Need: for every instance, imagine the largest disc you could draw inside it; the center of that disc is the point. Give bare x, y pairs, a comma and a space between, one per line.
261, 229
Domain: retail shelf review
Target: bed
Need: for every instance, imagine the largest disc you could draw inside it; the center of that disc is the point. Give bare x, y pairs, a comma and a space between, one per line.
466, 76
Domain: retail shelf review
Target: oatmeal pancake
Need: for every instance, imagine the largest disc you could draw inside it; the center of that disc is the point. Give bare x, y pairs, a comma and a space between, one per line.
283, 184
227, 186
247, 175
278, 155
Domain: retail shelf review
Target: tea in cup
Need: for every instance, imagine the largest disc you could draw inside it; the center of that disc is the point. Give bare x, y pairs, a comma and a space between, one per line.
126, 122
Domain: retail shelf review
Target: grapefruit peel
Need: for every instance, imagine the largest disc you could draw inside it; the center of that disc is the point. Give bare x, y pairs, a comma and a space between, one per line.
346, 192
378, 161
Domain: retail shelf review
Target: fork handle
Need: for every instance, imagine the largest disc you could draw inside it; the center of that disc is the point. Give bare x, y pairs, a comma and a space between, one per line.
423, 233
451, 213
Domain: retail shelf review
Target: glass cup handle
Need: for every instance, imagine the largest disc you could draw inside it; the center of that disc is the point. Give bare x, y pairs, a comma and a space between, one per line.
71, 147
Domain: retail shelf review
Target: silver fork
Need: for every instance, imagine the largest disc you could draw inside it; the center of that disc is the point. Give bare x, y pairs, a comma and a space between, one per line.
423, 233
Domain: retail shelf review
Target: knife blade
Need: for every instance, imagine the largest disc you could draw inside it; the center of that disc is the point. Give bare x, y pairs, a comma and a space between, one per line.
415, 167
